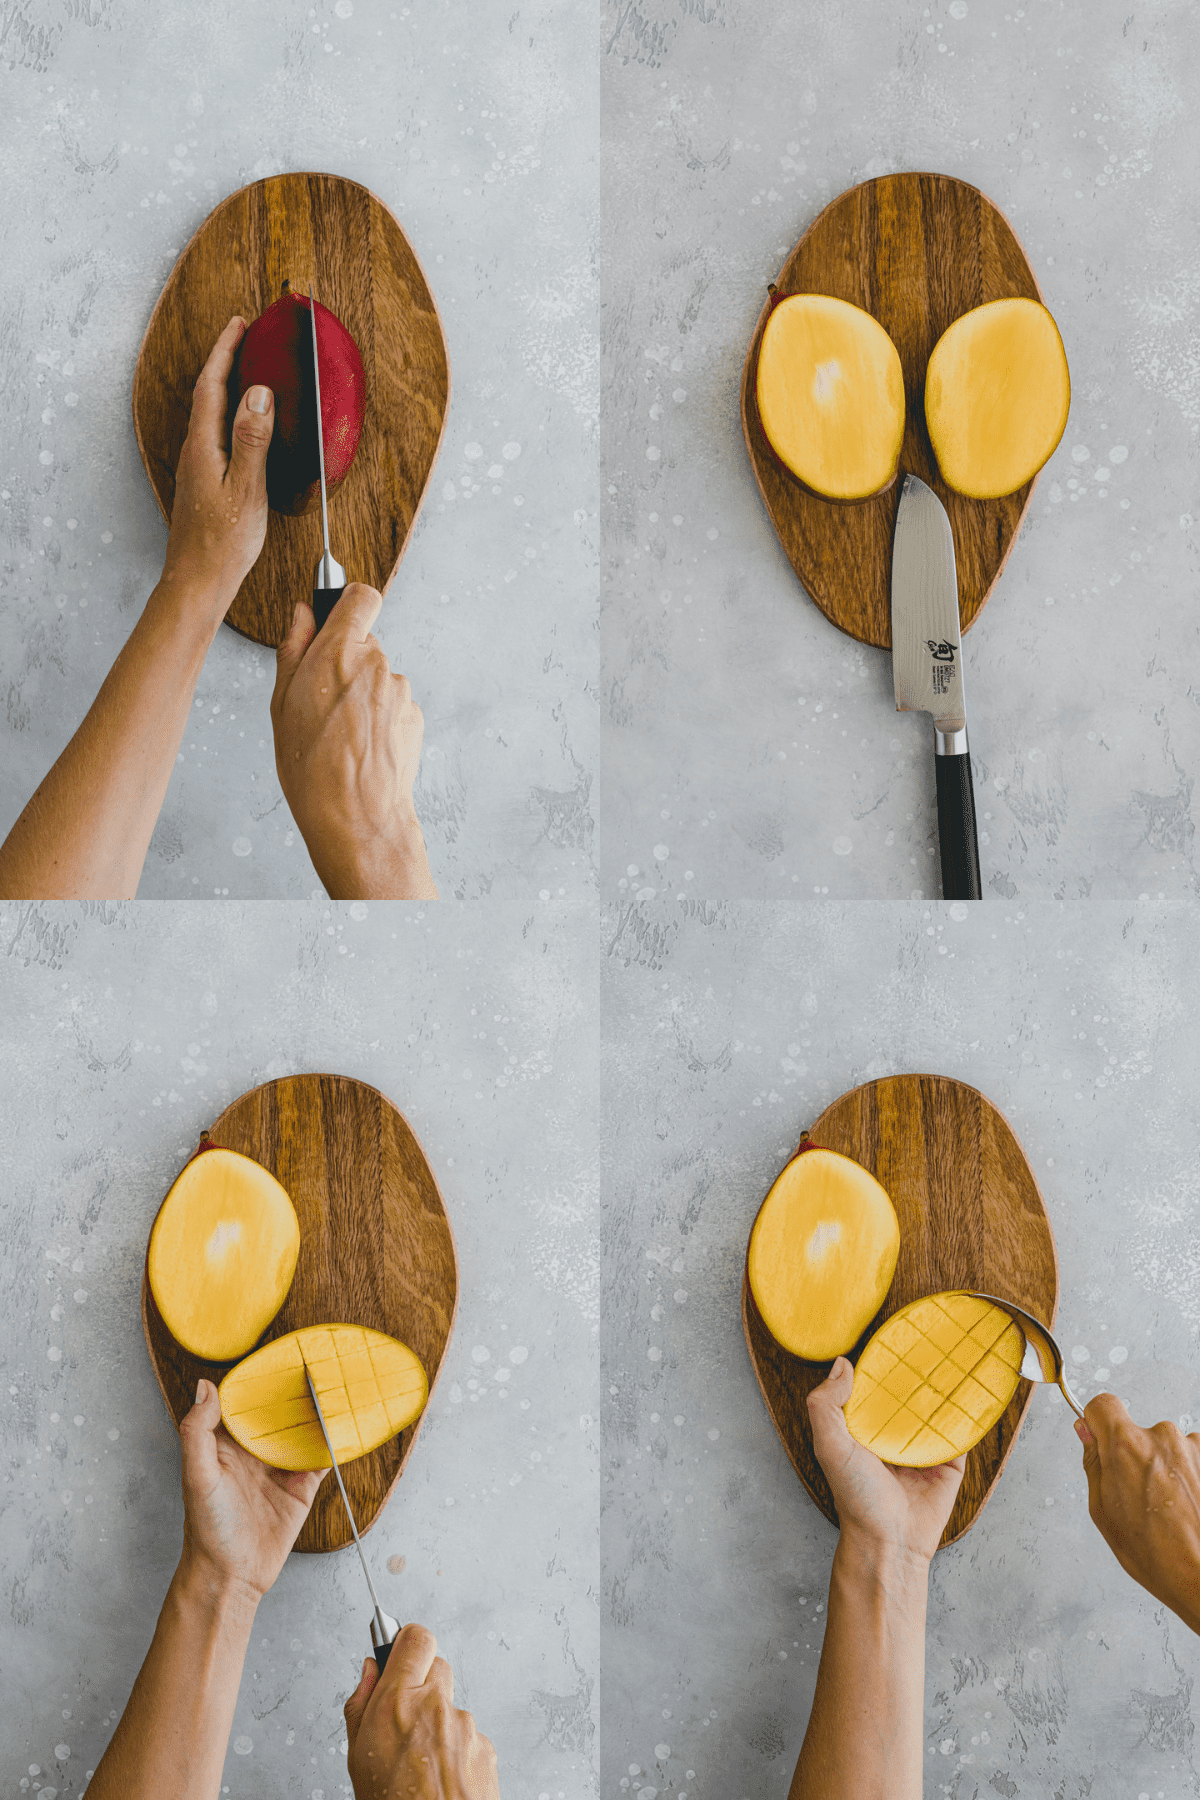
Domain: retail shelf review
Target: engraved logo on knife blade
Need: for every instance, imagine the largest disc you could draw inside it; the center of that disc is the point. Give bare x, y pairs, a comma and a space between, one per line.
943, 671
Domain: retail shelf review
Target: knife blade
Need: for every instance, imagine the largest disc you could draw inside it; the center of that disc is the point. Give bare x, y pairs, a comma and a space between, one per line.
329, 582
384, 1629
928, 673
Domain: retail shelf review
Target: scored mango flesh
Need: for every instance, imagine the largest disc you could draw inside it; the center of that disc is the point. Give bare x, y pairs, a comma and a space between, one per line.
997, 395
822, 1254
934, 1379
222, 1254
370, 1386
830, 392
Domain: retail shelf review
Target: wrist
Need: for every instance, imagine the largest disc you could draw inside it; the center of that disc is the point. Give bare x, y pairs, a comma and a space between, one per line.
189, 604
202, 1585
868, 1559
388, 863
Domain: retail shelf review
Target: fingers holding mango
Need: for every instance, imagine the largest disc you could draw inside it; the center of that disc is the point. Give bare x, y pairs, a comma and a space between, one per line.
219, 515
893, 1508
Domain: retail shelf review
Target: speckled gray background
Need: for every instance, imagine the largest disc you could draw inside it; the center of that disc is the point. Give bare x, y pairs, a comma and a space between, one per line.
125, 124
125, 1030
727, 1030
745, 738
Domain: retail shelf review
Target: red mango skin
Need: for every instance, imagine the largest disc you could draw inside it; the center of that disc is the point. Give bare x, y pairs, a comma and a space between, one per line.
276, 352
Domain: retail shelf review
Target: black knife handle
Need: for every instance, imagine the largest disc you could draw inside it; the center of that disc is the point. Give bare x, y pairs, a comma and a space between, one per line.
956, 828
323, 602
382, 1652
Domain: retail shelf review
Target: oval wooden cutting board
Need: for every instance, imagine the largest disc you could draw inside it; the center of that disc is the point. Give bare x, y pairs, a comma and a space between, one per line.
376, 1249
339, 236
915, 251
971, 1216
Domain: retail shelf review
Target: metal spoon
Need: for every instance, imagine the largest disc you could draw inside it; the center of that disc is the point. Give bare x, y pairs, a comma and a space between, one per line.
1043, 1360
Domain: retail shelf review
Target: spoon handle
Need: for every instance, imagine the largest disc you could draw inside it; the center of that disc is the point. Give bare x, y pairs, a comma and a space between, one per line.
1069, 1397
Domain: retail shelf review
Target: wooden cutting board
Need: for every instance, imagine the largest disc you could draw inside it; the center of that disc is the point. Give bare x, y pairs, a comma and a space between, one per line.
376, 1249
916, 251
339, 236
971, 1216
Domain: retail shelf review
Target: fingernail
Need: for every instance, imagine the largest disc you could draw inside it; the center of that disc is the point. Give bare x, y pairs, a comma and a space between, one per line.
199, 1391
258, 400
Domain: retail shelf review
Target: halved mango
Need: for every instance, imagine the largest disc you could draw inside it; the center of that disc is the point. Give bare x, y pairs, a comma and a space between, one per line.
830, 393
822, 1253
997, 395
222, 1254
934, 1379
370, 1387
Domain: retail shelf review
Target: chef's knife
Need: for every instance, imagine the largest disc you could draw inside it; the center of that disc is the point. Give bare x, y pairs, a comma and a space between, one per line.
329, 582
928, 672
384, 1629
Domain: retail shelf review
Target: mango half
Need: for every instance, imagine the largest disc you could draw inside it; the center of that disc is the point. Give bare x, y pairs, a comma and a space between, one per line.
934, 1379
370, 1387
830, 395
997, 395
222, 1253
822, 1253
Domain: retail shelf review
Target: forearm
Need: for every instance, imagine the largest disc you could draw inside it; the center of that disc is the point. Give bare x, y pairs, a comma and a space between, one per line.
865, 1733
174, 1732
85, 832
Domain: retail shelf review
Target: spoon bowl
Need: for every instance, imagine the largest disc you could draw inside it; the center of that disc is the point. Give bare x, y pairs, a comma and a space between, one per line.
1043, 1360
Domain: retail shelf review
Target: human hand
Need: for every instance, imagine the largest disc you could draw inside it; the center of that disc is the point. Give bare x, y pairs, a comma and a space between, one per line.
877, 1504
407, 1737
1144, 1499
240, 1517
347, 743
219, 518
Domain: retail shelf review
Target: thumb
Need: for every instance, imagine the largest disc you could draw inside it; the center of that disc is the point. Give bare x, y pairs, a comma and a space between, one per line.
253, 424
197, 1435
835, 1390
825, 1405
356, 1705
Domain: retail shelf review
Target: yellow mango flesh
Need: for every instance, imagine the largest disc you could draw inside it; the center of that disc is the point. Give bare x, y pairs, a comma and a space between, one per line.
222, 1254
830, 392
934, 1379
822, 1254
370, 1387
997, 395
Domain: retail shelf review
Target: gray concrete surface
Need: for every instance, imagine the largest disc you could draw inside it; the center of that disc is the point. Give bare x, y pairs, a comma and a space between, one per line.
124, 1031
727, 1030
746, 739
124, 125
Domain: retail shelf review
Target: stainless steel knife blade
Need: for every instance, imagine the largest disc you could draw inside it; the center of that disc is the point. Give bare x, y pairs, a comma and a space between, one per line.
329, 581
383, 1627
926, 644
928, 673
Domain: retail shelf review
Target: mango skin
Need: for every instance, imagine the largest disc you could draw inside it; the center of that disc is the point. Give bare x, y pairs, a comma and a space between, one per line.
822, 1253
276, 352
